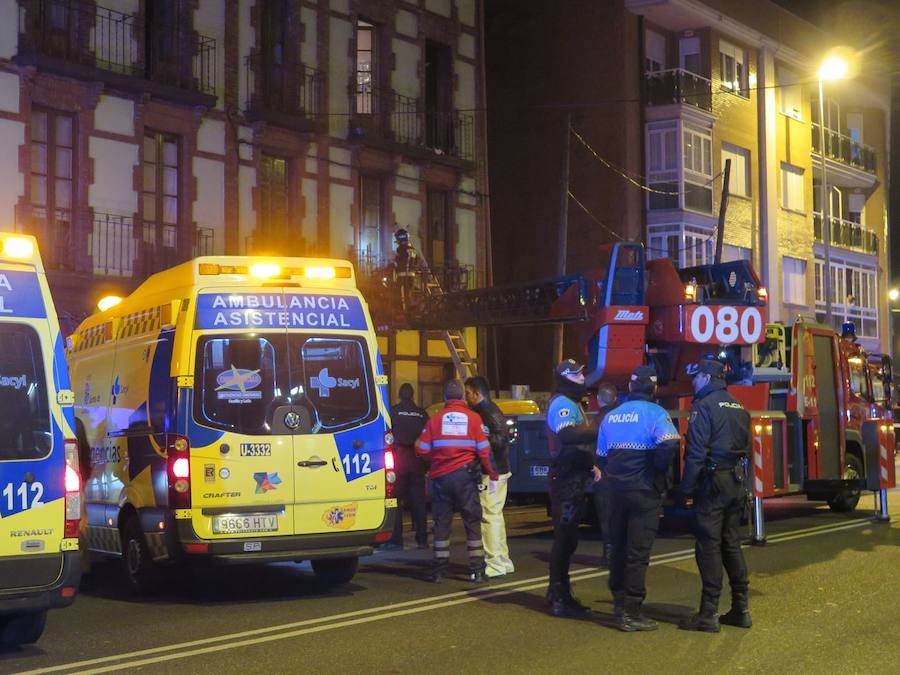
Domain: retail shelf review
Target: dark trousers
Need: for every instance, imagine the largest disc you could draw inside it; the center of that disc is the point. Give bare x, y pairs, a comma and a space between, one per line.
634, 520
410, 491
717, 519
457, 491
566, 507
602, 509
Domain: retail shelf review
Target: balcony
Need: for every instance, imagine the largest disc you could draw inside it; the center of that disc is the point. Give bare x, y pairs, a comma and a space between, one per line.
676, 86
384, 117
287, 95
846, 234
107, 245
81, 39
841, 148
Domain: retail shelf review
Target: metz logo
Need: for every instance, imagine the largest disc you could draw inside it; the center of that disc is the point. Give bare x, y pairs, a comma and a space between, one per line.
625, 315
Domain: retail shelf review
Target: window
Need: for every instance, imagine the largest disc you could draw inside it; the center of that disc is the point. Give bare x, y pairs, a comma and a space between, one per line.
439, 131
247, 384
794, 272
859, 383
662, 162
161, 199
734, 68
161, 37
739, 183
654, 52
366, 67
24, 410
685, 245
791, 92
792, 188
52, 179
689, 55
374, 239
272, 228
730, 253
697, 152
854, 295
439, 239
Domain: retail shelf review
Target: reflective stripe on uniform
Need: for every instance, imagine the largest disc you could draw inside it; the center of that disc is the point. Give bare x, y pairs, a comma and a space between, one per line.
461, 443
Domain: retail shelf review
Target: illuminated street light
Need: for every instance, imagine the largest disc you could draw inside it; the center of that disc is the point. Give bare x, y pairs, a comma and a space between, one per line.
893, 294
833, 67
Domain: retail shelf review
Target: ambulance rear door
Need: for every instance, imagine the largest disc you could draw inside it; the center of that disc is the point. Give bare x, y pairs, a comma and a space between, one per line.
32, 455
242, 452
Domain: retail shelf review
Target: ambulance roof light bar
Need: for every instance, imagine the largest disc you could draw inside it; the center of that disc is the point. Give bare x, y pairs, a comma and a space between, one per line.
18, 247
108, 302
267, 270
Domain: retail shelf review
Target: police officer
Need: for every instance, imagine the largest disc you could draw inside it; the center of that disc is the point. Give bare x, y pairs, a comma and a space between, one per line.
636, 446
408, 420
493, 493
607, 400
454, 442
715, 474
571, 438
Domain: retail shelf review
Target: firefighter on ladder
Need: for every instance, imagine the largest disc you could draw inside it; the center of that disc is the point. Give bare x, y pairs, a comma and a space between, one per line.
406, 265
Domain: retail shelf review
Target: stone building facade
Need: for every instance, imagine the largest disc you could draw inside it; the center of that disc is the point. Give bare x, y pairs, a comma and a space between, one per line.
140, 133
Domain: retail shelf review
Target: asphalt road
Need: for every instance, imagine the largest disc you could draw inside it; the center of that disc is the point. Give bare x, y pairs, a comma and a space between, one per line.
824, 596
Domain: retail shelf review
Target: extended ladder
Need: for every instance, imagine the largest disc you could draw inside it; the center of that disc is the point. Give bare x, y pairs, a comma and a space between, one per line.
453, 338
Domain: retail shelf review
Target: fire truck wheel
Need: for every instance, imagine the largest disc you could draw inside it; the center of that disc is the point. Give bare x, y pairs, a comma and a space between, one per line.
847, 498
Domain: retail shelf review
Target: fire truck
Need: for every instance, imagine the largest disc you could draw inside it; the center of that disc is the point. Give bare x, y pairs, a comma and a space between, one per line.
821, 421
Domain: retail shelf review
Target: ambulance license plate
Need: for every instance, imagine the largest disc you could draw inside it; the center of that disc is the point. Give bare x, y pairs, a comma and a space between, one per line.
252, 522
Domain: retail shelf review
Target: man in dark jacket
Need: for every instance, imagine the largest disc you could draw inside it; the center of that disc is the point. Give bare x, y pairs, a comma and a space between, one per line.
571, 438
715, 474
493, 492
408, 420
636, 446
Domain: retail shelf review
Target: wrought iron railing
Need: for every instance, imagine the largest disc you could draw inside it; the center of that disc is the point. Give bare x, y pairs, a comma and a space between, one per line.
87, 34
107, 244
846, 234
403, 119
278, 87
676, 85
844, 149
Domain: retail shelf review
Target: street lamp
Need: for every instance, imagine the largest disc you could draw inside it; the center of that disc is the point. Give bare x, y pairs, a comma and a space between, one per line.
893, 294
832, 68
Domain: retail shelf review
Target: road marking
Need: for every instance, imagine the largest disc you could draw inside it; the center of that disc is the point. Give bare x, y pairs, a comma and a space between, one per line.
309, 626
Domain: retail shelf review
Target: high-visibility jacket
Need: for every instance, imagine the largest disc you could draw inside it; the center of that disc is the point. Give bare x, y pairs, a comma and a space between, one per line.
453, 438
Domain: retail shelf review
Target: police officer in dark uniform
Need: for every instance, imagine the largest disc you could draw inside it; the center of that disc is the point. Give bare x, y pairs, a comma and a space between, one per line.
715, 474
406, 264
408, 420
571, 438
636, 446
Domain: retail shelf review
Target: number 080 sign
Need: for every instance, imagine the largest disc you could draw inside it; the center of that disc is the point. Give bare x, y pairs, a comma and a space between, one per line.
724, 324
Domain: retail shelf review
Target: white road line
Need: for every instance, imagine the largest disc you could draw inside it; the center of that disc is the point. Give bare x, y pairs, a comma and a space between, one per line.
308, 626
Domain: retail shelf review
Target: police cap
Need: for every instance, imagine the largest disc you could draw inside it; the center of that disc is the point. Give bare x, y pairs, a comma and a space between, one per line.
644, 375
704, 366
568, 367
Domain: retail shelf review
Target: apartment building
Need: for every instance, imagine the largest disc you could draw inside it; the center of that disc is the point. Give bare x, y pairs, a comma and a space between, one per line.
140, 133
718, 80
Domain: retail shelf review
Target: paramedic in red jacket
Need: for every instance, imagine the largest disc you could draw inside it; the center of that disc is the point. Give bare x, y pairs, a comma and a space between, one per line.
455, 445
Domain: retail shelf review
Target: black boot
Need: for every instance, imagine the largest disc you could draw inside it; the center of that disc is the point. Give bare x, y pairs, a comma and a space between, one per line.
739, 614
562, 603
477, 576
437, 574
618, 604
706, 620
631, 619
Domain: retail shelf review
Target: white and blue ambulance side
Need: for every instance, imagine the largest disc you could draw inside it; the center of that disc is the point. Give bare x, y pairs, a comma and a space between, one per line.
40, 499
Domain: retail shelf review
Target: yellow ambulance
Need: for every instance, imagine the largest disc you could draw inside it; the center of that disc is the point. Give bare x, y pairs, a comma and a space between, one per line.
40, 499
233, 410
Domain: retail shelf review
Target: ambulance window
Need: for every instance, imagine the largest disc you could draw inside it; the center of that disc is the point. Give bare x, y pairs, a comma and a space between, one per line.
335, 375
859, 385
239, 380
24, 409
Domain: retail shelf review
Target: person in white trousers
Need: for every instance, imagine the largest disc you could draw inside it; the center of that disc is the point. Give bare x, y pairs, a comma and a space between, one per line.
493, 492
